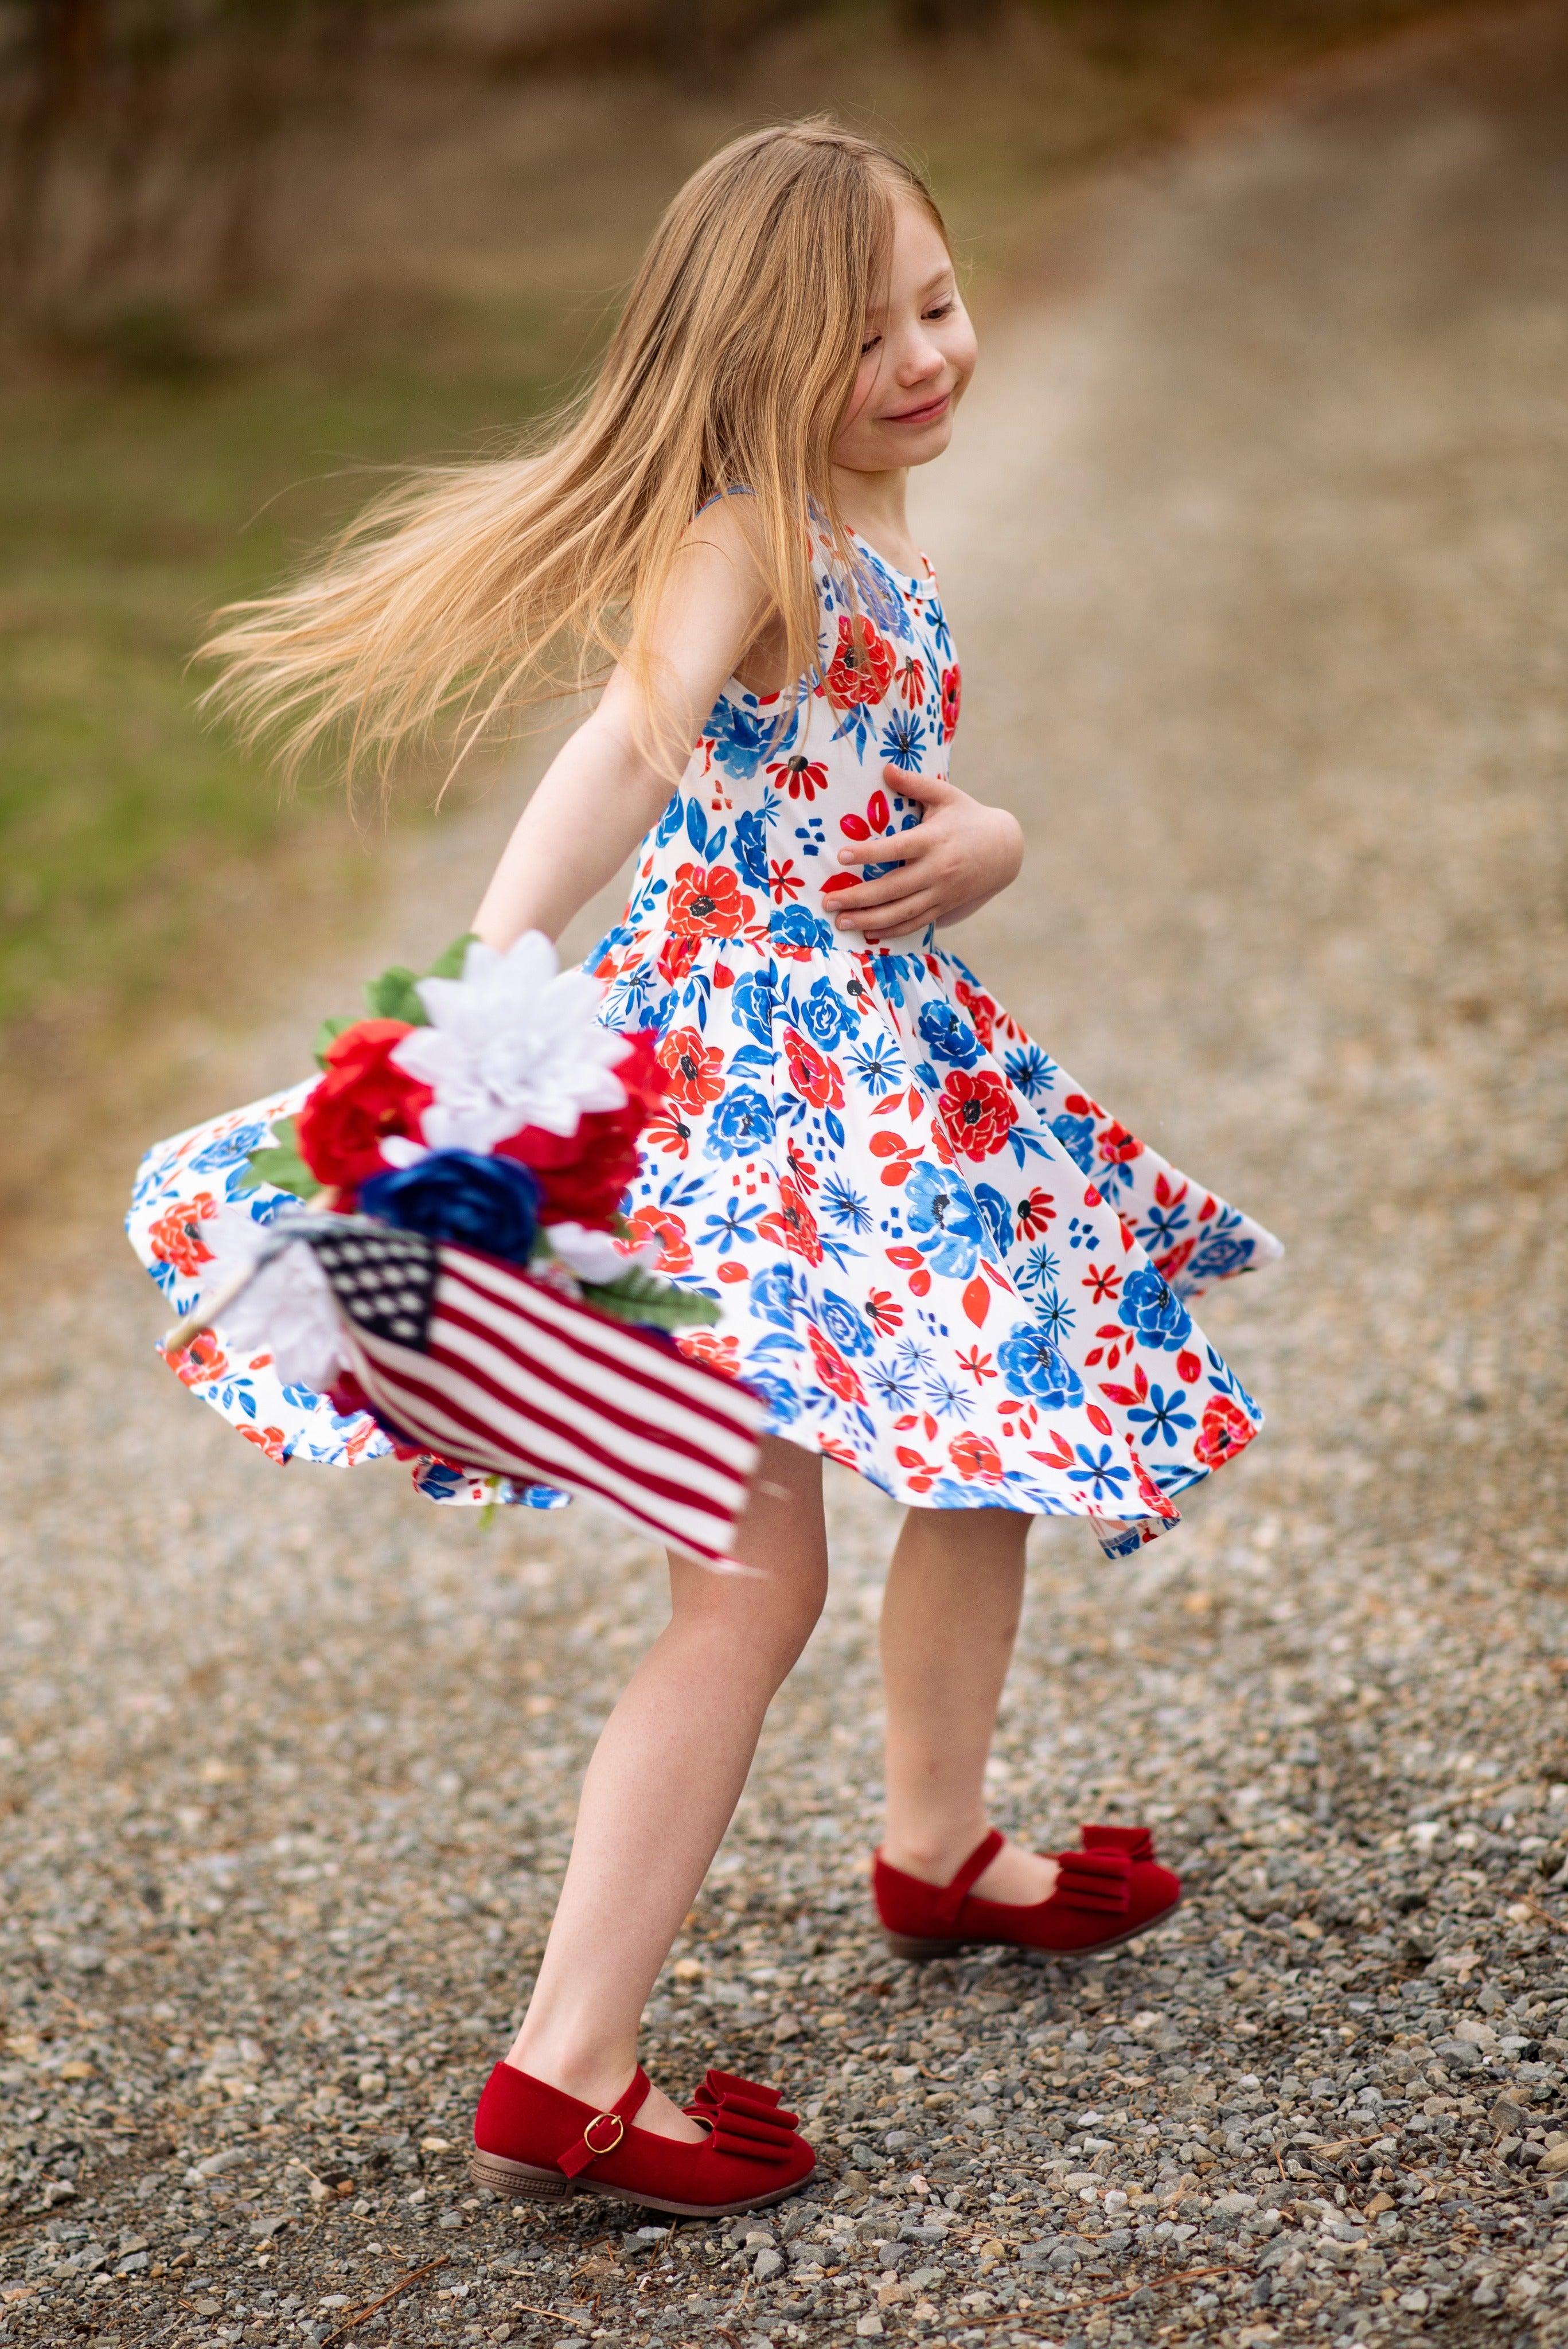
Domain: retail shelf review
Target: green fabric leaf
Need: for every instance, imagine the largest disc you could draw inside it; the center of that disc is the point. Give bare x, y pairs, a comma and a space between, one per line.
280, 1163
392, 997
449, 965
638, 1295
325, 1034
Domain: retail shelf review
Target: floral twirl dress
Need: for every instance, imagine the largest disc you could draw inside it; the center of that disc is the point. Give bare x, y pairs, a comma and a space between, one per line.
937, 1258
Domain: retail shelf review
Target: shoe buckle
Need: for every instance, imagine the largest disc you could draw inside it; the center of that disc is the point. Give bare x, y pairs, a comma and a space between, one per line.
614, 2121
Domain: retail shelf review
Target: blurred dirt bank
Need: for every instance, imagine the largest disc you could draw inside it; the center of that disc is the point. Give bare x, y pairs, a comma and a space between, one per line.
1258, 562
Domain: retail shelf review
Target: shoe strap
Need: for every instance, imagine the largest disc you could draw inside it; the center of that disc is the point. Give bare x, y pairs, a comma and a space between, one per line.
951, 1898
605, 2129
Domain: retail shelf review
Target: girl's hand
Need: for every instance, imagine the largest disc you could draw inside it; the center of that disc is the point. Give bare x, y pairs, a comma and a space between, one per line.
960, 855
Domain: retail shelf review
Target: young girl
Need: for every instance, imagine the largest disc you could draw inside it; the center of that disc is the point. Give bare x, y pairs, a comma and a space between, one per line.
939, 1261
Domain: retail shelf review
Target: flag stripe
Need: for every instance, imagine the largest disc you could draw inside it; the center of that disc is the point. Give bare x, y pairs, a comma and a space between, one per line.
516, 1378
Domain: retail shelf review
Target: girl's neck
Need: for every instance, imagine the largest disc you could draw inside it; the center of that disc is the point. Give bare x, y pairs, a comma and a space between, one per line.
873, 504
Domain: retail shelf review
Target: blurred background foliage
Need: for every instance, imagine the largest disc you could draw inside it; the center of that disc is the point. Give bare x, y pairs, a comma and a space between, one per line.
254, 249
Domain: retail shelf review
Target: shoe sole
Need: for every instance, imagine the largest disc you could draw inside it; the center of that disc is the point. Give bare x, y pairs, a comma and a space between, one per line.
525, 2184
920, 1951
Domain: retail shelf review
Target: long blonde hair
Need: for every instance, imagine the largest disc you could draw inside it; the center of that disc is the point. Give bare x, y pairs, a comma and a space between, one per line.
472, 590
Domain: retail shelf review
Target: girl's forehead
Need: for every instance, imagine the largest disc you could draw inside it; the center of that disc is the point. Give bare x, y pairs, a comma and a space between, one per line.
919, 259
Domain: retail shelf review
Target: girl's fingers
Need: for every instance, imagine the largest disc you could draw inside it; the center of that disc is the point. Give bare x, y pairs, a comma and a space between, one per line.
903, 913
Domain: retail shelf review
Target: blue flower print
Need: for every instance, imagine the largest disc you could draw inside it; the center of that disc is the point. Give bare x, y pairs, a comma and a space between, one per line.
730, 1226
739, 734
773, 1295
1031, 1365
1101, 1472
752, 845
783, 1404
937, 1205
893, 973
875, 1064
824, 1015
741, 1124
754, 1000
671, 822
947, 1033
845, 1206
1058, 1314
1219, 1255
1076, 1136
1032, 1071
845, 1324
1152, 1311
1162, 1226
998, 1215
904, 740
797, 929
1163, 1416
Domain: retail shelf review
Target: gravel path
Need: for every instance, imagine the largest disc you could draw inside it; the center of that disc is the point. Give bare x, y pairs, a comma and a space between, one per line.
1256, 544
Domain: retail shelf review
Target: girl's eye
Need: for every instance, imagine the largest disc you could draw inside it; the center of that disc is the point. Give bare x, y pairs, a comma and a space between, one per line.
866, 348
940, 310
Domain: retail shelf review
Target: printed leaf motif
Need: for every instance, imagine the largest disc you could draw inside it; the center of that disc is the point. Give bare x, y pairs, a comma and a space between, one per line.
977, 1301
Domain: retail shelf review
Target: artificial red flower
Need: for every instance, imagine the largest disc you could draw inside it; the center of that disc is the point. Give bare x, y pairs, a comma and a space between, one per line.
363, 1097
583, 1175
976, 1112
812, 1075
706, 903
952, 695
862, 665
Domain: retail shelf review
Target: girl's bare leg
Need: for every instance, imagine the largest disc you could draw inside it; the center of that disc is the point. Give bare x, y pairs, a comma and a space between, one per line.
662, 1787
950, 1616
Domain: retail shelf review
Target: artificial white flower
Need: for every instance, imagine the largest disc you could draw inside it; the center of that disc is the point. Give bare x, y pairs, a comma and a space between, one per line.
514, 1041
593, 1256
289, 1312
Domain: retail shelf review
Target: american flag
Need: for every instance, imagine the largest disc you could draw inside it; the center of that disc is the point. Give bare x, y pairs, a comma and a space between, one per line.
496, 1371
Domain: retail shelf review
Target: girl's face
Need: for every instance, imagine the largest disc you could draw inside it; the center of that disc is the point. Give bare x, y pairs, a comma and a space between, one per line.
918, 355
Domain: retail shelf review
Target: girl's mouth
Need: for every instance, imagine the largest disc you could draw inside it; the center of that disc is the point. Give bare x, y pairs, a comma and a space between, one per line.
927, 413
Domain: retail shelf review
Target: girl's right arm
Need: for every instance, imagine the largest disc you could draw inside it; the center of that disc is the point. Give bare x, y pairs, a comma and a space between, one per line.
610, 782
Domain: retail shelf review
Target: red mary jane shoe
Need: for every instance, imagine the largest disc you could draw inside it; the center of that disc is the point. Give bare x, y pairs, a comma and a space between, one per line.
1107, 1893
534, 2141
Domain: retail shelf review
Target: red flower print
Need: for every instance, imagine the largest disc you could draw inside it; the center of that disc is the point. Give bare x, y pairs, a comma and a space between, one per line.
668, 1132
1225, 1431
952, 695
1102, 1282
668, 1230
792, 1225
676, 956
803, 1170
883, 1314
706, 1346
695, 1069
912, 680
706, 903
980, 1007
862, 667
785, 883
1175, 1260
801, 778
976, 1456
176, 1238
270, 1440
203, 1358
363, 1097
1118, 1146
976, 1112
832, 1370
1034, 1213
812, 1075
978, 1365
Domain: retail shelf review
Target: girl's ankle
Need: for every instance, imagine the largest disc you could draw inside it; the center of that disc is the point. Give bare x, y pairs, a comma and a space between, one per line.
932, 1859
597, 2077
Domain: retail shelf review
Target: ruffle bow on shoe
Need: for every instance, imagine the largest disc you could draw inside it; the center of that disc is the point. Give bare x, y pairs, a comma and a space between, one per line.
535, 2142
1107, 1892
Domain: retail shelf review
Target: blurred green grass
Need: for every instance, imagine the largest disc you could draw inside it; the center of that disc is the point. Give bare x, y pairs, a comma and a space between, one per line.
159, 460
